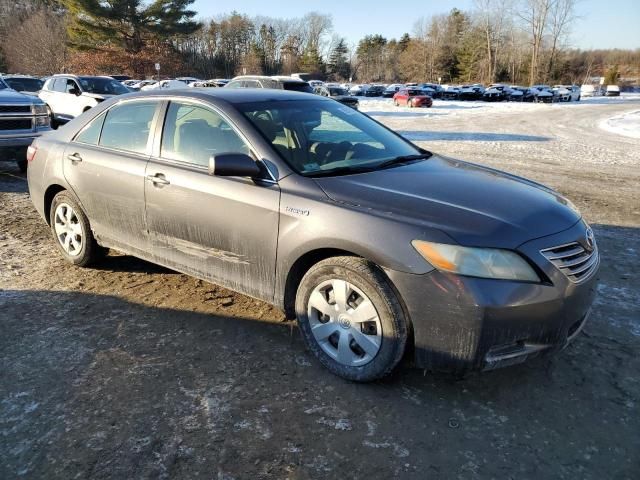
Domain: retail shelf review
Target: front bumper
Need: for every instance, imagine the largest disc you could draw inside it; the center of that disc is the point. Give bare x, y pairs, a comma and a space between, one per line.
462, 324
17, 141
14, 147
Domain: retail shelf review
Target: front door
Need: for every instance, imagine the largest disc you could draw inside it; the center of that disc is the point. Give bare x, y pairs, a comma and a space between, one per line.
223, 229
105, 165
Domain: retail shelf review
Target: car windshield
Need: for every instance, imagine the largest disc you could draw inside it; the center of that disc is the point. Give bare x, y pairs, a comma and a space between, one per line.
321, 138
102, 86
337, 91
298, 87
25, 84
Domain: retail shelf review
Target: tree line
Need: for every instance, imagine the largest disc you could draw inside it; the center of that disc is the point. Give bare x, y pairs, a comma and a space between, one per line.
514, 41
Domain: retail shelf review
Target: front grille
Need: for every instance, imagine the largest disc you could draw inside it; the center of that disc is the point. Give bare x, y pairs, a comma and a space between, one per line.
572, 259
15, 108
22, 124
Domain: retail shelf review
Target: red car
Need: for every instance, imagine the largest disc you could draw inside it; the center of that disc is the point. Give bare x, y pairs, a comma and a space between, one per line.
412, 97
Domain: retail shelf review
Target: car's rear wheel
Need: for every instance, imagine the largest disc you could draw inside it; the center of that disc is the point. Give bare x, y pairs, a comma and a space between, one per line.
72, 232
351, 318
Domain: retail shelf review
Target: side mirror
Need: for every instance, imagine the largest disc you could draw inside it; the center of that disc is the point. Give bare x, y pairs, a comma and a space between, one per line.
233, 165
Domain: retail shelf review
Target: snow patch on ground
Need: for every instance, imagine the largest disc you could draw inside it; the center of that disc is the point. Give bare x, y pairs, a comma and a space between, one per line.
442, 109
627, 124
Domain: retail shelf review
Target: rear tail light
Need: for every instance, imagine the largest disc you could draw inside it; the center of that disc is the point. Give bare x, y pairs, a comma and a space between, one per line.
31, 153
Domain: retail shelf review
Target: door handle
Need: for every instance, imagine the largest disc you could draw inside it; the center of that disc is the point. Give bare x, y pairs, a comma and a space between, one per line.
75, 158
158, 179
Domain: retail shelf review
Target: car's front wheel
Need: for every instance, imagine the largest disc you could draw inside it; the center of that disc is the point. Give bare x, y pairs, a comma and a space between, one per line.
72, 232
351, 318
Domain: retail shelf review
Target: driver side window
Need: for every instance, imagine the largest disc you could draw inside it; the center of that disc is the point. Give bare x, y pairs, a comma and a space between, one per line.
72, 87
193, 133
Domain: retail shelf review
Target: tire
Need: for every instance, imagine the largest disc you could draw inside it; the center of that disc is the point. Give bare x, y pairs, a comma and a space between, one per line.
395, 102
69, 221
374, 339
410, 103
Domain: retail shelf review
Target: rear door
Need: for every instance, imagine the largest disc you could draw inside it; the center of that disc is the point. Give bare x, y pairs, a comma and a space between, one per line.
223, 229
56, 96
105, 165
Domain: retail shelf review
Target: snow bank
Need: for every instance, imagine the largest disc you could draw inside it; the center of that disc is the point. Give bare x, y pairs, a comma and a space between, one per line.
627, 124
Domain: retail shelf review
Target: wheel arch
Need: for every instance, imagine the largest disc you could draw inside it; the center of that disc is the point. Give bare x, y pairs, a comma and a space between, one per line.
301, 266
49, 194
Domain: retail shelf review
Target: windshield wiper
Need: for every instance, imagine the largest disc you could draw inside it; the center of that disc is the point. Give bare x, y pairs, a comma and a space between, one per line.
348, 170
403, 159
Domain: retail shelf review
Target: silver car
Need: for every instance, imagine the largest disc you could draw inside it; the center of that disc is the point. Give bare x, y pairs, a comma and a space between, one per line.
380, 249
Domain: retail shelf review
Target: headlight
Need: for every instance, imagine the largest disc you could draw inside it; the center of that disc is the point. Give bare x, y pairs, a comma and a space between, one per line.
40, 109
43, 121
476, 262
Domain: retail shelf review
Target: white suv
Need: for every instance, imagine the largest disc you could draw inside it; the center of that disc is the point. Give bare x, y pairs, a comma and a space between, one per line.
68, 96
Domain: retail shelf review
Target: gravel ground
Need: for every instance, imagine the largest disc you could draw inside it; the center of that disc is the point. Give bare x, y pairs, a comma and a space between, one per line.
130, 370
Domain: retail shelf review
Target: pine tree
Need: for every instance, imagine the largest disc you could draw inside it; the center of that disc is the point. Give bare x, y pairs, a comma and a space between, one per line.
404, 41
611, 76
338, 65
311, 62
129, 23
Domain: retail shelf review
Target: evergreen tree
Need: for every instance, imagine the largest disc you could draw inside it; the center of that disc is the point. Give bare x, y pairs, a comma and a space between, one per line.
404, 41
311, 62
129, 23
611, 76
338, 64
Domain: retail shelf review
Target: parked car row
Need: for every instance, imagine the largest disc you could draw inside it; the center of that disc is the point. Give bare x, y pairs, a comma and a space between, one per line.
492, 93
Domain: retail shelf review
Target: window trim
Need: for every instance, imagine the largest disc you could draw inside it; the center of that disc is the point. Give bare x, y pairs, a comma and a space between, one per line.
87, 126
152, 129
159, 131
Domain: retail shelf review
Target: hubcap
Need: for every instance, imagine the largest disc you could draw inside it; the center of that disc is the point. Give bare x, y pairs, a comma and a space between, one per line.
344, 322
68, 229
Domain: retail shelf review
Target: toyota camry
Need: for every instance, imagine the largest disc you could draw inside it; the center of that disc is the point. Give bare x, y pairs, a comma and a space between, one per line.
382, 250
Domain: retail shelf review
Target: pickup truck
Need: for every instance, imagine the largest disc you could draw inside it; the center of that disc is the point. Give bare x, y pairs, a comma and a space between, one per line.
22, 119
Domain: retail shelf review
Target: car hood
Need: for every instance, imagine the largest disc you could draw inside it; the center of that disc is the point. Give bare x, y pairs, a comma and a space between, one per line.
98, 96
474, 205
8, 95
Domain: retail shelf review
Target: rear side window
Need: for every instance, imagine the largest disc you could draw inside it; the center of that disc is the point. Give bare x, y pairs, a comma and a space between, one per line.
193, 133
90, 134
127, 126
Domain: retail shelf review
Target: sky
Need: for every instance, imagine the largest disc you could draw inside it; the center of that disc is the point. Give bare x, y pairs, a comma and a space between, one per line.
602, 23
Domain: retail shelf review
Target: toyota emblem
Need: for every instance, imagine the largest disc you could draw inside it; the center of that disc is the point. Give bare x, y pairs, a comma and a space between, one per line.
590, 239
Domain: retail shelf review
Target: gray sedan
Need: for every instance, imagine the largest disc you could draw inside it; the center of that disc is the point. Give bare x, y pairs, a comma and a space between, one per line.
380, 249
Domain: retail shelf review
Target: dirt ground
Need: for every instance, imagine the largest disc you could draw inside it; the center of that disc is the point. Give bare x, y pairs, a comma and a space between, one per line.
133, 371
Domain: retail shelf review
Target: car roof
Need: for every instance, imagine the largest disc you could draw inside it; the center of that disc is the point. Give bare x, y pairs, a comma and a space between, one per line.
280, 78
79, 76
233, 95
17, 75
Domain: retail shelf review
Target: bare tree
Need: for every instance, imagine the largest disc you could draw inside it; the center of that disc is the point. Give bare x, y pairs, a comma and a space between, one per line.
534, 15
561, 16
37, 44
